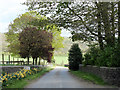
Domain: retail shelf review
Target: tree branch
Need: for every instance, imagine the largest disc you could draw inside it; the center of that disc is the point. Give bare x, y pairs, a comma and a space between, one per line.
82, 21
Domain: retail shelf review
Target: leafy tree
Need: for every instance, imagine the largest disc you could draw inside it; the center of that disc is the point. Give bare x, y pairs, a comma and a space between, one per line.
57, 42
15, 28
75, 57
35, 43
87, 21
69, 16
30, 19
119, 22
26, 42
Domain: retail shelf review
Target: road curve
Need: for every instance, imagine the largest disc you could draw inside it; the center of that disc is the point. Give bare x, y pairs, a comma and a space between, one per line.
61, 78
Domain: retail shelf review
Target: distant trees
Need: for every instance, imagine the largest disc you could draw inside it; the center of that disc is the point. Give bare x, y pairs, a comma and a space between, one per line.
35, 43
75, 57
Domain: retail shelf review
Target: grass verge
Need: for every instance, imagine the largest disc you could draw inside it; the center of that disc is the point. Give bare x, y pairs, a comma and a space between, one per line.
90, 77
22, 83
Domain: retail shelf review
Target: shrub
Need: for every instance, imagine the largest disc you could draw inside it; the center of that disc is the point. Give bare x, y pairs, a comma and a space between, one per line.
75, 57
109, 57
91, 56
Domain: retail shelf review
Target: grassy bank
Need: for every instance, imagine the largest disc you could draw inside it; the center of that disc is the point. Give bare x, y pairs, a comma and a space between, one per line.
88, 76
22, 83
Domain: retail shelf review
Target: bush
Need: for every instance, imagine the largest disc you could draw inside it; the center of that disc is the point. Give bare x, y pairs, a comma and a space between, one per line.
109, 57
75, 57
91, 55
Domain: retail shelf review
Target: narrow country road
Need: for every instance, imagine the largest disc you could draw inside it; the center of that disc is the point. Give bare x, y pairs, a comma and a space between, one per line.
61, 78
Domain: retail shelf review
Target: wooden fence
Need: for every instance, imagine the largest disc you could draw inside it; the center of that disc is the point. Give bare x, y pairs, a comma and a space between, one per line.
12, 61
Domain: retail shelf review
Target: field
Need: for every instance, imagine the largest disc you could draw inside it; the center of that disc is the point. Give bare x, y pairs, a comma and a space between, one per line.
6, 58
61, 60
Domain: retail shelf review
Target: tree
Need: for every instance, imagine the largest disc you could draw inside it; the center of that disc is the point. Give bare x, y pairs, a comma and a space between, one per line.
30, 19
87, 21
35, 43
57, 42
16, 27
119, 22
26, 39
75, 57
69, 16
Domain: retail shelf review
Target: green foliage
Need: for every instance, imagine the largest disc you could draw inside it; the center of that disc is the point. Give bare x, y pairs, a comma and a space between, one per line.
75, 57
109, 57
91, 55
16, 27
57, 39
87, 21
31, 19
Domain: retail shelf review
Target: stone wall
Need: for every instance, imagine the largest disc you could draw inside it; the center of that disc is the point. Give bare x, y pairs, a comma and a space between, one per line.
110, 75
11, 69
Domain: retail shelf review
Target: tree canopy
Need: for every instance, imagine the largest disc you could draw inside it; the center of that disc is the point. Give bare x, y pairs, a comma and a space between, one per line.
35, 43
87, 21
31, 19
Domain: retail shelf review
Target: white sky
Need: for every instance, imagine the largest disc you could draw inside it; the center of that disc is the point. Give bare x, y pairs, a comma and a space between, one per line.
11, 9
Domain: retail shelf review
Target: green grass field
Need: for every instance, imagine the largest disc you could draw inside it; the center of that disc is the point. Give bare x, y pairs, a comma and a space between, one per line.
61, 60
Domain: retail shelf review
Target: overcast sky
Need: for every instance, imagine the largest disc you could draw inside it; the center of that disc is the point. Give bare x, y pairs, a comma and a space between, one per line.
11, 9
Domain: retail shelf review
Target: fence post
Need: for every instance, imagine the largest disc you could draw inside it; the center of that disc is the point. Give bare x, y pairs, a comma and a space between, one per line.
2, 58
13, 60
18, 60
9, 59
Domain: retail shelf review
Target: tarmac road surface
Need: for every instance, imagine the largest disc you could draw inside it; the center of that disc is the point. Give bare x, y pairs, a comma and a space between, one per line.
61, 78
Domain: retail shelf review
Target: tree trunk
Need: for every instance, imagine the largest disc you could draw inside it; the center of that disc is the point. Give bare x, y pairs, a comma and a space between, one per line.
39, 61
13, 60
106, 22
33, 61
2, 58
36, 61
28, 60
9, 59
100, 39
112, 22
119, 22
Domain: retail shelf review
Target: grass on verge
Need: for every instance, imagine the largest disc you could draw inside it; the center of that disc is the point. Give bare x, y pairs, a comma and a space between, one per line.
22, 83
90, 77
